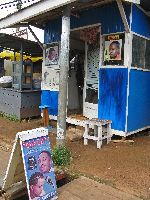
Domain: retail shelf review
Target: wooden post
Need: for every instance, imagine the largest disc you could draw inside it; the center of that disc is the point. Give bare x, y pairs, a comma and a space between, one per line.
63, 82
34, 35
45, 117
21, 60
123, 16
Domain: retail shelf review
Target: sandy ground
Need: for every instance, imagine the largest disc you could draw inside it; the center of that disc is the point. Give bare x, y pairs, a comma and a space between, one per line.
125, 166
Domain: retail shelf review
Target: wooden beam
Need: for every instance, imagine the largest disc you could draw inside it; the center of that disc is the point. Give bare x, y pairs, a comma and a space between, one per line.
34, 35
123, 16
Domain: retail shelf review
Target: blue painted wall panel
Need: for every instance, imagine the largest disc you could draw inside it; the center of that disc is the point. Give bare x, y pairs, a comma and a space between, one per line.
141, 22
52, 31
113, 96
108, 15
139, 100
50, 98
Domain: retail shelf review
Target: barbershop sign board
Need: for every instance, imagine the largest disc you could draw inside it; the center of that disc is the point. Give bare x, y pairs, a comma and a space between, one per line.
133, 1
31, 155
21, 34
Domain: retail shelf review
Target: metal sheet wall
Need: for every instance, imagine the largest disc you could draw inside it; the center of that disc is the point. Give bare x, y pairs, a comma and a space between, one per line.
22, 104
50, 98
139, 100
108, 15
140, 22
113, 96
52, 31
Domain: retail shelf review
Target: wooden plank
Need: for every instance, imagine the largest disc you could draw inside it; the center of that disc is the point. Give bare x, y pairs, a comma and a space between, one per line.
123, 141
123, 16
99, 141
12, 165
84, 188
17, 190
86, 134
19, 177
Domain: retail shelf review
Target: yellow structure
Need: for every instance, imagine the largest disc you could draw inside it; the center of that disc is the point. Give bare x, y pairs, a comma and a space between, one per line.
10, 56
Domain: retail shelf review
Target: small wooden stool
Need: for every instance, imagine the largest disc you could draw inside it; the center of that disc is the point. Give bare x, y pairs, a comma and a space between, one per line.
45, 114
99, 135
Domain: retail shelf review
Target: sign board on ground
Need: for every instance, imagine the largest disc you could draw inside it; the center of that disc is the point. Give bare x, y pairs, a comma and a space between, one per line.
31, 161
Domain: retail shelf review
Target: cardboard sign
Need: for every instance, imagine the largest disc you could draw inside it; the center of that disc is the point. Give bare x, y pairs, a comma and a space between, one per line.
21, 34
34, 153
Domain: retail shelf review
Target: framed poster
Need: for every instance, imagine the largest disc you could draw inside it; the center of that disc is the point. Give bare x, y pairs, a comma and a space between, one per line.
114, 49
52, 54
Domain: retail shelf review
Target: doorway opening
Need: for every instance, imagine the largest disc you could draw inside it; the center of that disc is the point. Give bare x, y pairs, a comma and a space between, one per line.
83, 72
76, 74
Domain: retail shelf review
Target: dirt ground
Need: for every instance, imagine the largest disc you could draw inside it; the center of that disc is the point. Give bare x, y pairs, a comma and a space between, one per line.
125, 166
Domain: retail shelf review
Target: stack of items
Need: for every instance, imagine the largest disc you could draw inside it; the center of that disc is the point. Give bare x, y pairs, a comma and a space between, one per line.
6, 81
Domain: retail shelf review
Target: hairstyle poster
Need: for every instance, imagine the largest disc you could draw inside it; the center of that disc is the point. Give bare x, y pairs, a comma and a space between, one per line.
52, 54
113, 49
50, 79
39, 170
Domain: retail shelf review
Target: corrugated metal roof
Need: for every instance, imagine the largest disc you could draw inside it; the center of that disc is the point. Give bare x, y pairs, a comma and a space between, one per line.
41, 17
41, 20
14, 43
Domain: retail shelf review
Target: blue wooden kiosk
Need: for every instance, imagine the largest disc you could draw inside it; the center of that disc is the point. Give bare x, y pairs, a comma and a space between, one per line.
123, 93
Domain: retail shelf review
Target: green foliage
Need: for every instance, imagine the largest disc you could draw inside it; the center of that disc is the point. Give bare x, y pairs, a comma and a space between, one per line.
61, 156
9, 117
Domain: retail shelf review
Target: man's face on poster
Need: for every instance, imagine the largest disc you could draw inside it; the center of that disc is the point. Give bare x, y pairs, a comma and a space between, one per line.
38, 187
44, 162
52, 55
114, 50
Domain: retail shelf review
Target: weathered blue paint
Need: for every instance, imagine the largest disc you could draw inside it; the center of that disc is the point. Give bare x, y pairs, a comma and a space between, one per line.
52, 31
108, 15
140, 22
50, 98
113, 96
139, 100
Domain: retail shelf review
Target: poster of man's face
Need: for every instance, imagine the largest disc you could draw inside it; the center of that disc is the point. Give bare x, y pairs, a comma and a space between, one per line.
112, 50
51, 55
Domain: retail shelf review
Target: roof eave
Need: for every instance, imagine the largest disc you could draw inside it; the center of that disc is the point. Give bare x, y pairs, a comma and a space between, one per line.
32, 11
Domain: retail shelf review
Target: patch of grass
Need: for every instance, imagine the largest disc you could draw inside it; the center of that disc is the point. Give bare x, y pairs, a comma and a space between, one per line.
61, 156
9, 117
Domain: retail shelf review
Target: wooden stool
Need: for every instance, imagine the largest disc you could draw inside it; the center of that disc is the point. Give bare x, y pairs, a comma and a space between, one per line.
45, 114
99, 134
